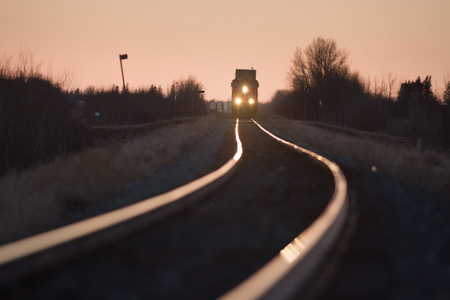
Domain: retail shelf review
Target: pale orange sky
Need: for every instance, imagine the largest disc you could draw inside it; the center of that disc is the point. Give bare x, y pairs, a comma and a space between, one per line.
167, 39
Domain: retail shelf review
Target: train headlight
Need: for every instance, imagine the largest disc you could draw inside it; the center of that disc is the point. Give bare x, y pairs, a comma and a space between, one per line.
251, 101
245, 89
238, 100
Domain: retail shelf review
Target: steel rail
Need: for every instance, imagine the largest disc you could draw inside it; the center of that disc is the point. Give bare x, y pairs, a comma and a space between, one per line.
290, 270
29, 255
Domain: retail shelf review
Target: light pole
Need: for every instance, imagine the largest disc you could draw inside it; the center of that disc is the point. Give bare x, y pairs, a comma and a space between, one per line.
121, 57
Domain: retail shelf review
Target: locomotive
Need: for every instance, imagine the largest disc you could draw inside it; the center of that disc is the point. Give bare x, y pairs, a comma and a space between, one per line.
244, 93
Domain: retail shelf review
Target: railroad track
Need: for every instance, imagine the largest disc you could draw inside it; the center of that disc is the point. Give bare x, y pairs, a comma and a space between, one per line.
173, 245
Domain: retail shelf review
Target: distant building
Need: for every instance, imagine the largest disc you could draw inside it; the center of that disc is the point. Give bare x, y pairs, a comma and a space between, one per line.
227, 107
219, 107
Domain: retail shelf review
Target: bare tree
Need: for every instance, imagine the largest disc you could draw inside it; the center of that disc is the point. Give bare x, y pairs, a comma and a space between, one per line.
186, 93
323, 83
388, 86
298, 75
392, 85
317, 65
325, 61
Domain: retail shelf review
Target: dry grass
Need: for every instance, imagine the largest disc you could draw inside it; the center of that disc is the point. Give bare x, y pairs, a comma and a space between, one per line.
39, 196
426, 169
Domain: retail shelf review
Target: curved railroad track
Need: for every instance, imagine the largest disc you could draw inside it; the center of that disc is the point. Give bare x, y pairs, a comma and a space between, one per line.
276, 207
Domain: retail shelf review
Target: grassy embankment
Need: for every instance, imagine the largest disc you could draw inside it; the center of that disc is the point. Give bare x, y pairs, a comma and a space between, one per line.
408, 163
38, 197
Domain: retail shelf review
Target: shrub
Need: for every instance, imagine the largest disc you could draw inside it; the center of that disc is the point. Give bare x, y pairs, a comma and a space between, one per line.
35, 122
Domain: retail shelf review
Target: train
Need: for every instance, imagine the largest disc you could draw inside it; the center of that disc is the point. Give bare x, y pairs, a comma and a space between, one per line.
244, 93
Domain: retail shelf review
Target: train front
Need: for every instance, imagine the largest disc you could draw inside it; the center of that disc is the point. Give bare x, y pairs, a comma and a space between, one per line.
244, 97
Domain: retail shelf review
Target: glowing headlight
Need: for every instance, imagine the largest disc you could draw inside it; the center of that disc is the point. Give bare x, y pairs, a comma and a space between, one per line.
238, 100
251, 101
245, 89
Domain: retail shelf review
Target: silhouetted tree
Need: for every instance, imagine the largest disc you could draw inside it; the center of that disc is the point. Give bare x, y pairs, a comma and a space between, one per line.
285, 104
445, 123
384, 88
188, 99
417, 104
446, 96
414, 96
317, 65
35, 121
321, 79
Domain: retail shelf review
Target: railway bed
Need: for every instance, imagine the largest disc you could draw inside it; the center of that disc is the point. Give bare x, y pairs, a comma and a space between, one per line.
210, 247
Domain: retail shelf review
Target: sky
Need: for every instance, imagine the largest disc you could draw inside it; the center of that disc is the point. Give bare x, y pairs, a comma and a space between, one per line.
171, 39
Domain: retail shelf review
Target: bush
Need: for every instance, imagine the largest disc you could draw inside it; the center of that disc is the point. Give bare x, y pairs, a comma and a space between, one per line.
110, 107
35, 122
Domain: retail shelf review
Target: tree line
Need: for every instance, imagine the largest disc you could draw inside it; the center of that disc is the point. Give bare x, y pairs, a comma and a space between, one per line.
40, 120
144, 105
323, 88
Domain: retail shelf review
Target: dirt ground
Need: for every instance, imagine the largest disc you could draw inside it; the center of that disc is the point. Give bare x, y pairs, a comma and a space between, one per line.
397, 246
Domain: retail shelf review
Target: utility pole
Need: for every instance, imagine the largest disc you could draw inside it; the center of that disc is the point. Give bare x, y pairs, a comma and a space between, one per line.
124, 90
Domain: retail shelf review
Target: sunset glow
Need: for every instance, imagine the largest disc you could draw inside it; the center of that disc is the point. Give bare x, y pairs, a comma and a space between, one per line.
168, 39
